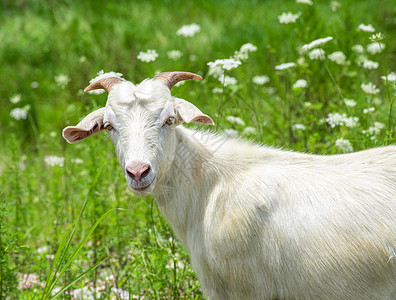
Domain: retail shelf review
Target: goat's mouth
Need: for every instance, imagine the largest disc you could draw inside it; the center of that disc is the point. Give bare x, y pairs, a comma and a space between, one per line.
143, 186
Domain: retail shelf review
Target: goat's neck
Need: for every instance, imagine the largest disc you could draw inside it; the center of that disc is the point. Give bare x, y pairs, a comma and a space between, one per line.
182, 194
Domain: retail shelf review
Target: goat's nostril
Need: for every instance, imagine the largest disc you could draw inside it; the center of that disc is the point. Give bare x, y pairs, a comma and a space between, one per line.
138, 171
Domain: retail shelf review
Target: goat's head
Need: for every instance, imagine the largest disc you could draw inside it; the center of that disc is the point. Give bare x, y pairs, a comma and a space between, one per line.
141, 121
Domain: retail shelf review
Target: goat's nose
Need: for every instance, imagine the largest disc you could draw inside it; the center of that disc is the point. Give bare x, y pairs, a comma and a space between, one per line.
138, 170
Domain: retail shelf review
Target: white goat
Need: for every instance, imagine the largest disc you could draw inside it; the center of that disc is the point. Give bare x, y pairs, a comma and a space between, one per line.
258, 223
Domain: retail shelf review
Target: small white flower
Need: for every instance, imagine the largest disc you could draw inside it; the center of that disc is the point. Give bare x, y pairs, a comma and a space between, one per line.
148, 56
350, 102
260, 79
344, 145
15, 99
248, 47
375, 129
249, 130
77, 161
62, 80
334, 5
369, 64
368, 110
19, 113
54, 161
285, 66
243, 53
175, 54
235, 120
308, 2
389, 77
369, 88
375, 48
193, 57
288, 17
299, 127
317, 54
376, 37
217, 90
358, 48
338, 57
216, 72
232, 133
315, 43
189, 30
334, 119
34, 84
227, 80
102, 75
226, 64
366, 28
300, 83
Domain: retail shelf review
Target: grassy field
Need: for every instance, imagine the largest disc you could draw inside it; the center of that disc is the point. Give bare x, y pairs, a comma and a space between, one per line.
324, 102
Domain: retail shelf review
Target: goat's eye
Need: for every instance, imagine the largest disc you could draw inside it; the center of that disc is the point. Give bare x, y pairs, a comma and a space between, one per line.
108, 126
170, 121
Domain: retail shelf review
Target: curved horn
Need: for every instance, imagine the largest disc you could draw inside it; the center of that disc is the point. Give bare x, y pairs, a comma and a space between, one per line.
106, 84
171, 78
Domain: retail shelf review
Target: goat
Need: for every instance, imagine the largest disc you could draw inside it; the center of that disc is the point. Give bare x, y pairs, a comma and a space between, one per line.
257, 222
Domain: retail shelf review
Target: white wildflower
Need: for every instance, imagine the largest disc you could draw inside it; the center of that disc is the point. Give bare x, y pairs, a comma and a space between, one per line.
53, 160
77, 161
344, 145
375, 48
148, 56
358, 48
193, 57
227, 80
308, 2
15, 99
375, 129
334, 119
235, 120
189, 30
175, 54
317, 54
34, 84
300, 83
248, 47
62, 80
231, 133
366, 28
216, 72
350, 102
368, 110
249, 130
260, 79
299, 127
288, 17
285, 66
389, 77
226, 64
369, 88
376, 37
315, 43
102, 75
334, 5
338, 57
19, 113
369, 64
217, 90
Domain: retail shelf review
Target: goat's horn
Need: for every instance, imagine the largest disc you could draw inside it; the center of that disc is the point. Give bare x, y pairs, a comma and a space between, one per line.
171, 78
106, 84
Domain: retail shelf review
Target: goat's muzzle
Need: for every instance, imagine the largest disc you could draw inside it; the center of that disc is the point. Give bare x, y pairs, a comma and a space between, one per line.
139, 175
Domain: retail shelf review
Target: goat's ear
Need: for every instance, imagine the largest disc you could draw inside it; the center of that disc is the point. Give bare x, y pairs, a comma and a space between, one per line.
91, 124
189, 113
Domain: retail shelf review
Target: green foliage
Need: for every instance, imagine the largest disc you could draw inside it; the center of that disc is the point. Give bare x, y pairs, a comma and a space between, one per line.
50, 50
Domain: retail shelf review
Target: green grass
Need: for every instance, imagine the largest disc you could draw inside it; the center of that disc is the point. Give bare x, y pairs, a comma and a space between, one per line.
43, 39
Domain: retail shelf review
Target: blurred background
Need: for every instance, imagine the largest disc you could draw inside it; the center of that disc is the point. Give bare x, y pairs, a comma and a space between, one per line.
314, 76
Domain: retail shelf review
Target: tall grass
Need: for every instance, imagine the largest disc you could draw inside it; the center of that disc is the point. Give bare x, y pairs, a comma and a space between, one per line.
45, 181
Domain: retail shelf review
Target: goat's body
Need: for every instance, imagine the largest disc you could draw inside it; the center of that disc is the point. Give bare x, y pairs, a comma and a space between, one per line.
262, 223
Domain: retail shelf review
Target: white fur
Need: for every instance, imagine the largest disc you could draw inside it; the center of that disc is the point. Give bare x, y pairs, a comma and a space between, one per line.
258, 222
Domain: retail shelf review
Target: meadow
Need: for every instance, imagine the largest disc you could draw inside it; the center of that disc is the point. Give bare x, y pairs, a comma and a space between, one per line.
312, 76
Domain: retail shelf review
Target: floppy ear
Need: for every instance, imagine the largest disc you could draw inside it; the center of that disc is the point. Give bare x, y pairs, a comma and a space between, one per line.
189, 113
91, 124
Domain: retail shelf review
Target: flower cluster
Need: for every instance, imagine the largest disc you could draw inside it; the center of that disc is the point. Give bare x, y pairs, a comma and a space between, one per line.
337, 119
344, 145
288, 17
189, 30
148, 56
53, 160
